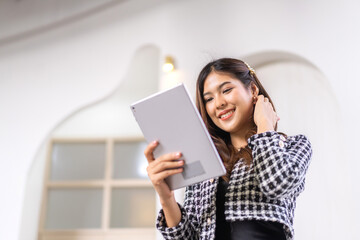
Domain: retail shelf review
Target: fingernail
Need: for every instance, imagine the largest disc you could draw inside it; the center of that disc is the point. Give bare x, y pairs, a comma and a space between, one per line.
154, 142
181, 162
178, 154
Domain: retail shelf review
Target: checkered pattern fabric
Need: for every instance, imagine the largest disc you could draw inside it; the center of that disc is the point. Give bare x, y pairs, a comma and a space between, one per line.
266, 190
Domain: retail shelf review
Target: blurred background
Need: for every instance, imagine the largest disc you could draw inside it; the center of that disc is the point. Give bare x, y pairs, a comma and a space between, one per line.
70, 150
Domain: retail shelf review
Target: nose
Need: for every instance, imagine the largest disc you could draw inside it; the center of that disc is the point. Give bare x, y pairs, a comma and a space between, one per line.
220, 102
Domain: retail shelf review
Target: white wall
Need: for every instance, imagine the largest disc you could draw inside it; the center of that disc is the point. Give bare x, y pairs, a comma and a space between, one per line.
45, 77
111, 117
313, 111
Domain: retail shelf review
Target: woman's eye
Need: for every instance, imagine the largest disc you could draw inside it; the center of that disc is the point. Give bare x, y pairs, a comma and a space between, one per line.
208, 100
227, 90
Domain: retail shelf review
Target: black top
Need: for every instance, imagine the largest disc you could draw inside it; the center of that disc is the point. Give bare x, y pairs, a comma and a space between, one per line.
222, 229
243, 230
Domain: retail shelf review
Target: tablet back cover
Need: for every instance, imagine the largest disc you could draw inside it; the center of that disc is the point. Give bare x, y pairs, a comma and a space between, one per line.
172, 118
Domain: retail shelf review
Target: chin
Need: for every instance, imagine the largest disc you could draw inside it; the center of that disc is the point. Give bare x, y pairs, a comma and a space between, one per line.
227, 129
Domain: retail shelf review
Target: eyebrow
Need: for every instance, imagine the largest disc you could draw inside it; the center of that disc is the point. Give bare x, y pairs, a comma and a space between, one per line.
218, 88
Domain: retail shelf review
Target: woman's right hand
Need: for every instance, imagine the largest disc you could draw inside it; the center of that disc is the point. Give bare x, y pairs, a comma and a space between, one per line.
160, 168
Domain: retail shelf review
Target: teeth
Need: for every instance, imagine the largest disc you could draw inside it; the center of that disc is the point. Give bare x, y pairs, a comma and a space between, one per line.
226, 114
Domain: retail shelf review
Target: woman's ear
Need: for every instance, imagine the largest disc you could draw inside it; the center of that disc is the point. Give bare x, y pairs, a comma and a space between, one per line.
254, 89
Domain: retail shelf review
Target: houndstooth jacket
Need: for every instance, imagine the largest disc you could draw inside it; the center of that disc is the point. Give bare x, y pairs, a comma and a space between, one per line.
265, 191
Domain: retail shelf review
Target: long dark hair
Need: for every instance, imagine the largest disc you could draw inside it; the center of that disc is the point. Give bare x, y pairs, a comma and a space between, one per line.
222, 141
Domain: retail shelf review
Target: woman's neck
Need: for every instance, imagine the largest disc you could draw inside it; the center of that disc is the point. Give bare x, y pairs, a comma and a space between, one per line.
238, 141
239, 138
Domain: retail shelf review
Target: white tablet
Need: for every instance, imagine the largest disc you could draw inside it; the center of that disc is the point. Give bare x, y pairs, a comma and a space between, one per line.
172, 118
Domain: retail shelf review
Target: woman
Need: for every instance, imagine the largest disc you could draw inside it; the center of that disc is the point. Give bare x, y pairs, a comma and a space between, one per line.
265, 169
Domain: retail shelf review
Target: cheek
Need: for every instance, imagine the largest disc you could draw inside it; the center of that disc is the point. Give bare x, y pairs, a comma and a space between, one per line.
209, 110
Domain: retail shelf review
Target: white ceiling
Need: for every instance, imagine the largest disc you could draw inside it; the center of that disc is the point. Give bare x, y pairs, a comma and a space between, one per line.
21, 18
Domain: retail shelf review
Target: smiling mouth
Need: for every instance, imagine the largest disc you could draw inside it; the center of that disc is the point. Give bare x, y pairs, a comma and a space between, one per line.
227, 115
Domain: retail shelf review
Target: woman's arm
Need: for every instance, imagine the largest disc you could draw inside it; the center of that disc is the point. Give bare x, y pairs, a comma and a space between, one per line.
173, 220
172, 212
186, 229
158, 169
280, 164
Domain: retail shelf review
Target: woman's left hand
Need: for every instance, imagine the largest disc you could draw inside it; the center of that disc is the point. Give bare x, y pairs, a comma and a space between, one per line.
264, 115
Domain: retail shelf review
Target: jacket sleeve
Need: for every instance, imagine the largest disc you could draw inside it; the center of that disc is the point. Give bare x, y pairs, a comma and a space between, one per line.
186, 229
280, 163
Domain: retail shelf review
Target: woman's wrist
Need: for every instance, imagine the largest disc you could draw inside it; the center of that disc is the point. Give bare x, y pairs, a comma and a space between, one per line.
167, 202
172, 212
263, 129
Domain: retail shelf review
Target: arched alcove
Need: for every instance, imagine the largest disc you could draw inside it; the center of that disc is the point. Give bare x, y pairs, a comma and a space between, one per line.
307, 105
108, 118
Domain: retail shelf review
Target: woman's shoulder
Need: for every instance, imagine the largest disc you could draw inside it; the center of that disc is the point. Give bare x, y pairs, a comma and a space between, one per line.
282, 135
298, 145
278, 138
297, 137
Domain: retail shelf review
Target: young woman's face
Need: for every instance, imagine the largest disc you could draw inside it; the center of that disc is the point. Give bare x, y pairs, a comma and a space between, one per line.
228, 103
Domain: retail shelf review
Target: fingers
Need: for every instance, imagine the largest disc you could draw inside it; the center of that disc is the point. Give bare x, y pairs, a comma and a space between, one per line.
169, 157
262, 98
165, 162
164, 166
169, 172
148, 152
266, 100
156, 179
